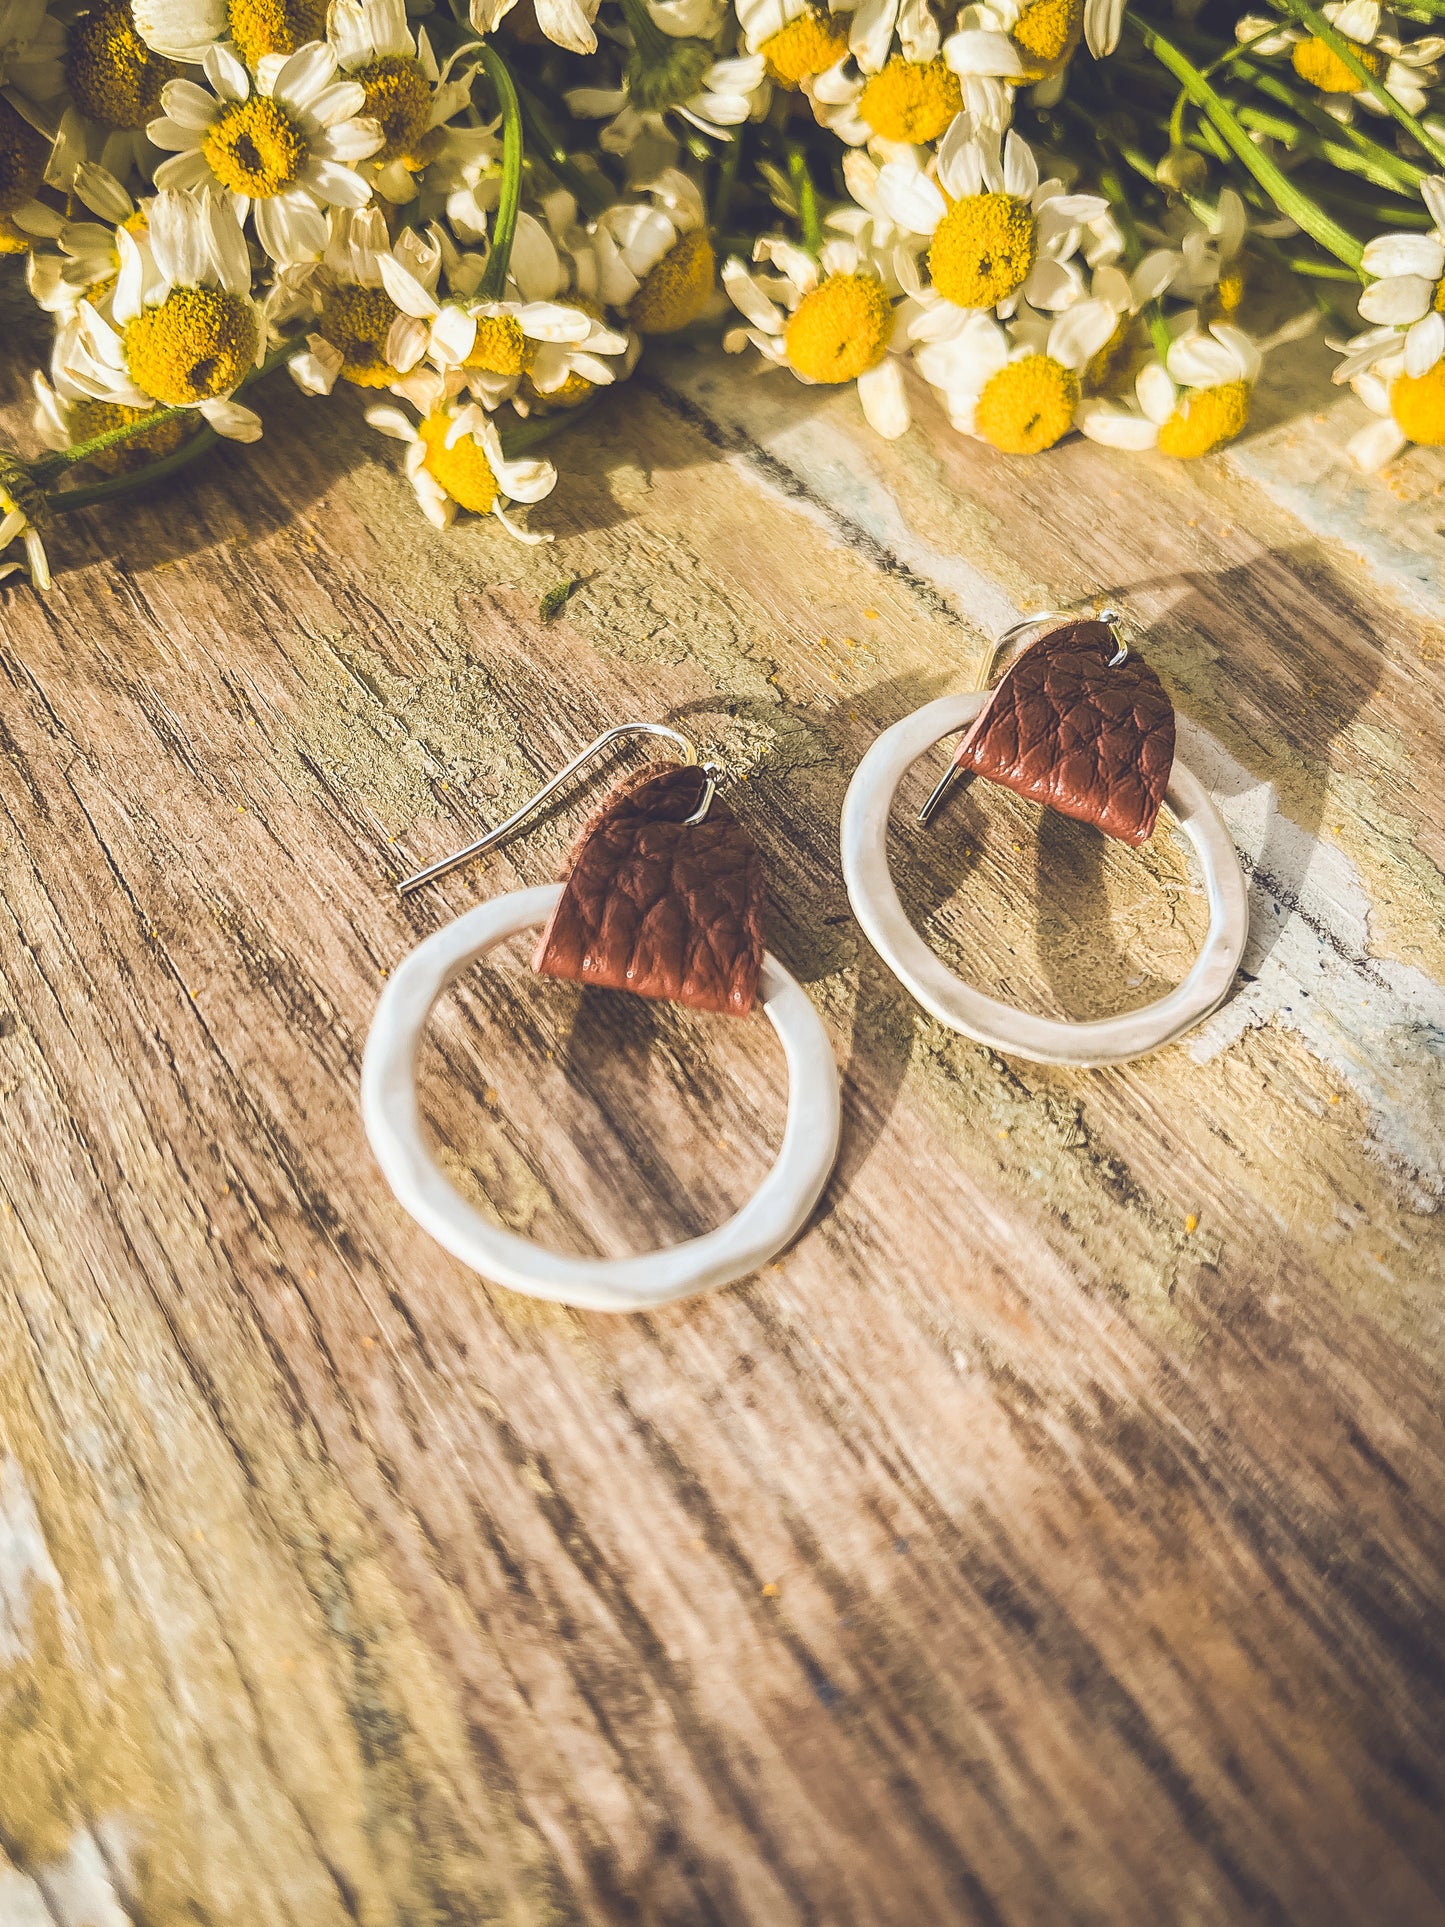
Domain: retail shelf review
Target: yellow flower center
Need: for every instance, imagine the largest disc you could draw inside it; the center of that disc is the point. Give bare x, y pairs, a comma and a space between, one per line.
275, 26
500, 347
675, 292
1322, 67
1205, 419
357, 321
88, 418
399, 96
463, 469
1438, 304
255, 148
113, 75
197, 344
1027, 405
1046, 34
911, 100
983, 249
12, 241
809, 45
1418, 404
840, 330
1224, 298
22, 158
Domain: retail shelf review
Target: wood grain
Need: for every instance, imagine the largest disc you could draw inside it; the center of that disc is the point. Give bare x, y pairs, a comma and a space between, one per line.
1055, 1534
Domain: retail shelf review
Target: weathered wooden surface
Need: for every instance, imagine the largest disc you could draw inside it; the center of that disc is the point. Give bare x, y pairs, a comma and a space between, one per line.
1055, 1534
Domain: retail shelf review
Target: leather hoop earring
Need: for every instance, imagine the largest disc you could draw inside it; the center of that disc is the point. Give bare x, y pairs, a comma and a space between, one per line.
663, 897
1081, 724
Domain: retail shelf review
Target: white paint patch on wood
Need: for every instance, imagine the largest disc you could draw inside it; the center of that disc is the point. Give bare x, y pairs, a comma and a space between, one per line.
25, 1563
1377, 1023
77, 1890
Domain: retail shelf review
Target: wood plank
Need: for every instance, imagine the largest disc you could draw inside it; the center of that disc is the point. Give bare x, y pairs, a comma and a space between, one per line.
1009, 1551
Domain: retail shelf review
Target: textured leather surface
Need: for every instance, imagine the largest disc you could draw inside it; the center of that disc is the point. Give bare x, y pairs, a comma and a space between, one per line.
659, 907
1065, 729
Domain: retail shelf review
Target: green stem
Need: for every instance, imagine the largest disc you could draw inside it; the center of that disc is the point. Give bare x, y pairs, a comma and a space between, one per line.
64, 500
727, 180
1158, 330
493, 284
807, 195
55, 464
1288, 198
1343, 50
1331, 130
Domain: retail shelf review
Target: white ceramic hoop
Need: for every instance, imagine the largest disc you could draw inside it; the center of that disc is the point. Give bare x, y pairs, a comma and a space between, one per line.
771, 1218
1047, 1040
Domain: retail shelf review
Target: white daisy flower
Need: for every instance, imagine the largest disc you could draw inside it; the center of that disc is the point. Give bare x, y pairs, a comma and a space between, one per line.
283, 147
653, 259
906, 103
183, 329
1406, 70
796, 38
20, 512
494, 346
88, 255
1410, 408
725, 94
1020, 42
831, 321
454, 460
1190, 407
409, 96
997, 234
1019, 392
1407, 293
361, 335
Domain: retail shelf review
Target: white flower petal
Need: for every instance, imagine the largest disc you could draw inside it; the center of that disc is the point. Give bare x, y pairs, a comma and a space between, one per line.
749, 298
315, 371
230, 419
305, 76
1378, 443
1020, 169
181, 29
1432, 192
1114, 428
910, 198
1157, 394
1081, 331
1413, 254
884, 398
568, 24
1398, 300
1425, 344
985, 52
226, 72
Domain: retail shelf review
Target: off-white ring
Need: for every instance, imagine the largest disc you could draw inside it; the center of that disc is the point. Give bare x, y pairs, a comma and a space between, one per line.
772, 1217
1047, 1040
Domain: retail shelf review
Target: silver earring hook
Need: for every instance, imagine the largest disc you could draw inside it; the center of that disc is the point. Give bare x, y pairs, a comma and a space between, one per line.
953, 775
687, 752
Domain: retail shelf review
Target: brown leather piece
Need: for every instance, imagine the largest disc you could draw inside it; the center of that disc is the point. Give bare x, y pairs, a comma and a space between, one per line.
1065, 729
659, 907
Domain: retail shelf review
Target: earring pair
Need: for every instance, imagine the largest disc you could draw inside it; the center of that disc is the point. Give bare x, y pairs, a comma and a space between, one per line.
663, 897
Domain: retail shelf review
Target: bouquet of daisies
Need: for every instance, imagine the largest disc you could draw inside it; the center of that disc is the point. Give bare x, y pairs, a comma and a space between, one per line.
1063, 214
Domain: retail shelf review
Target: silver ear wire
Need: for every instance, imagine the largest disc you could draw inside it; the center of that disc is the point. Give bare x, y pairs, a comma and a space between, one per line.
687, 752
